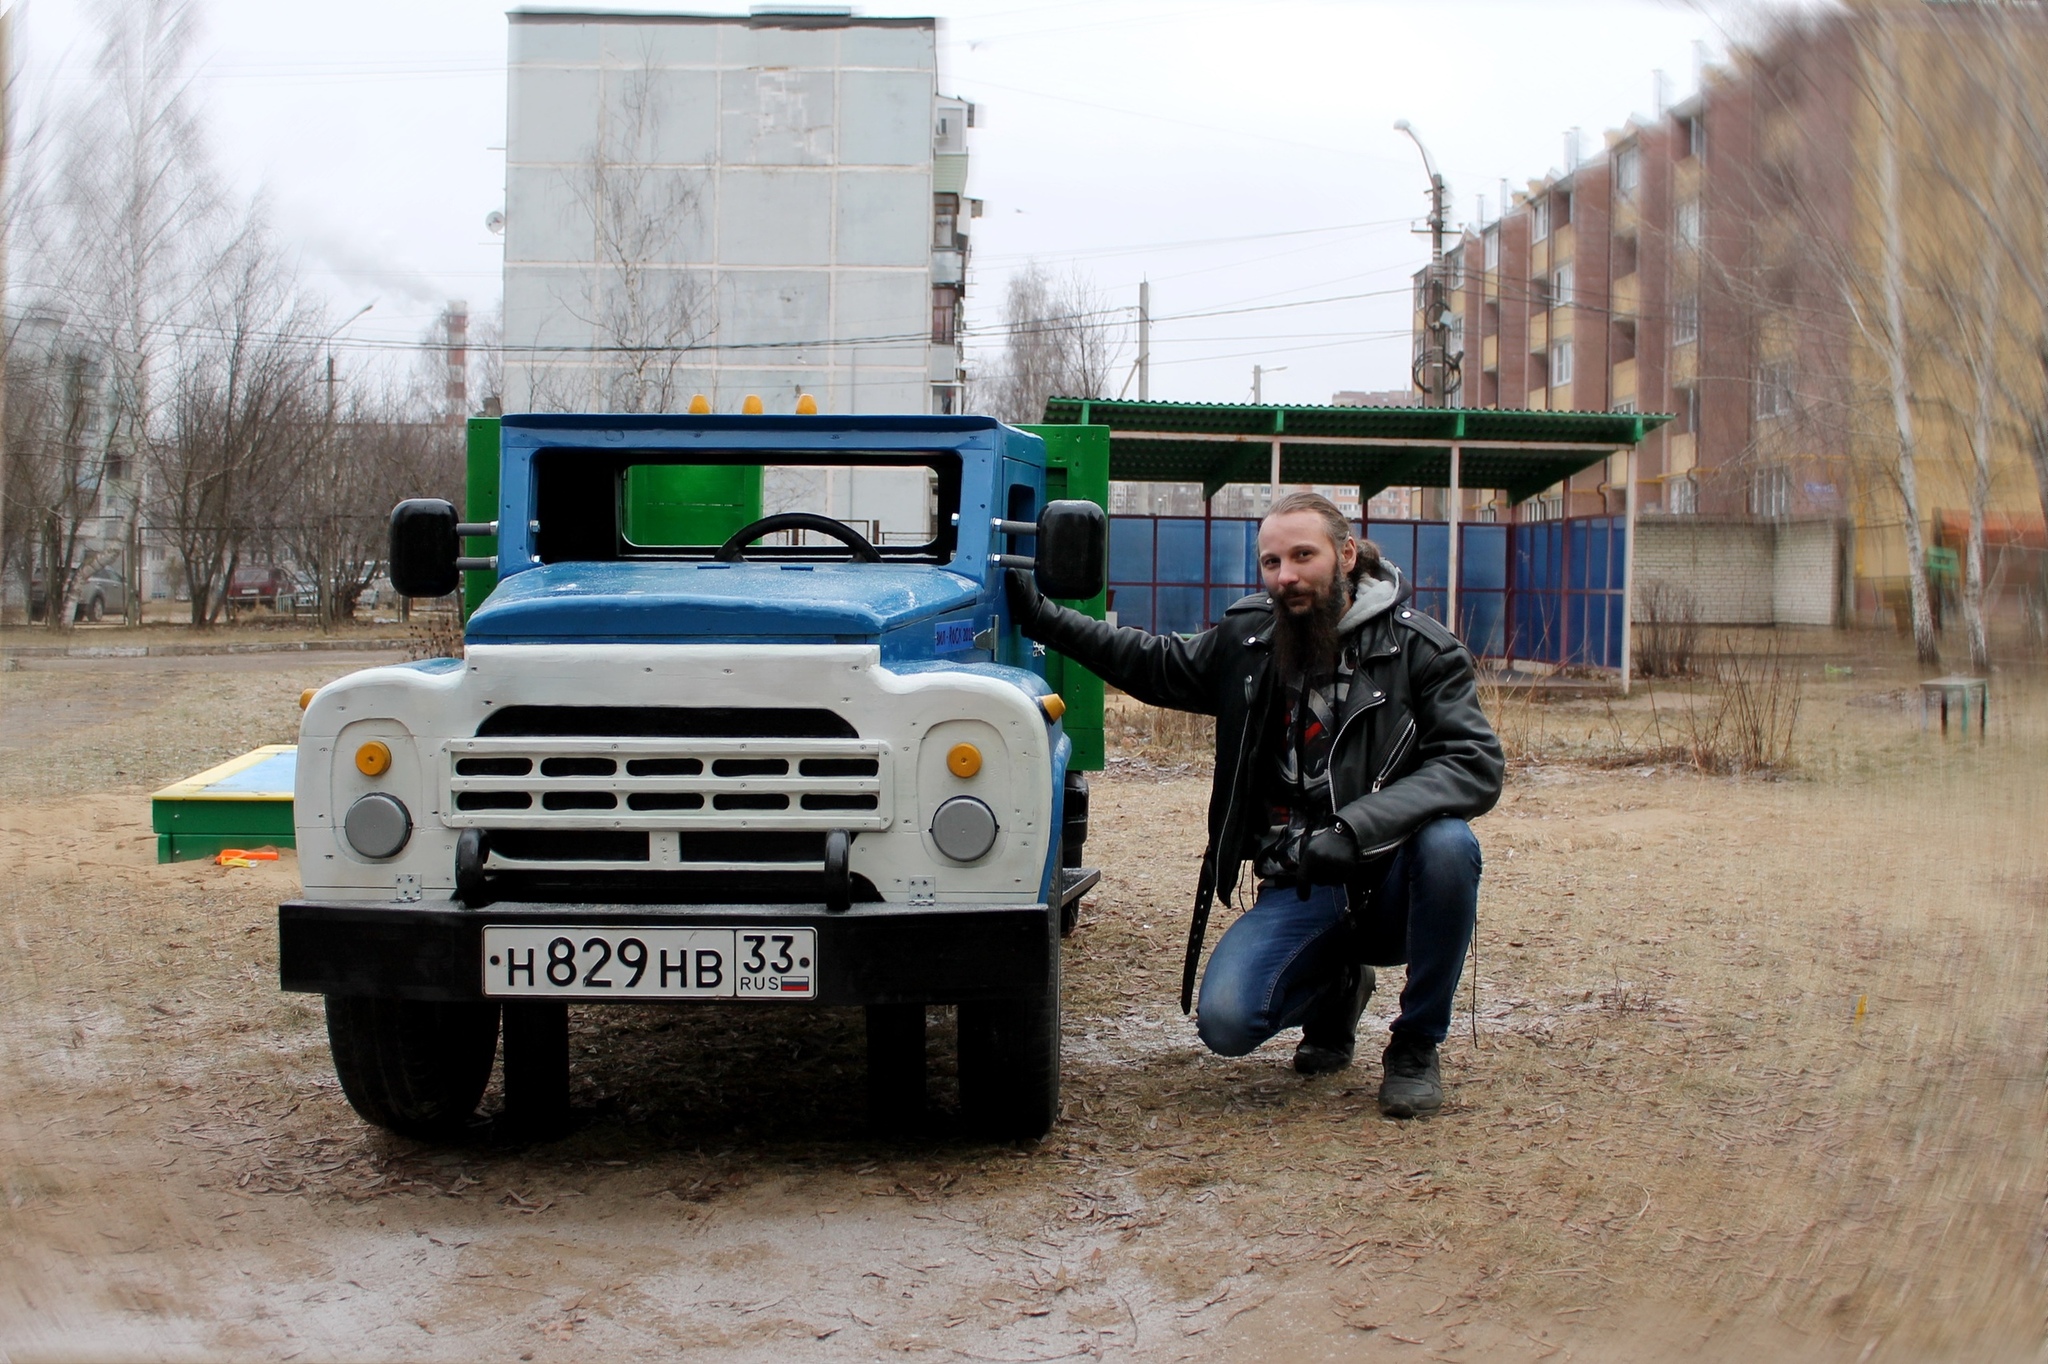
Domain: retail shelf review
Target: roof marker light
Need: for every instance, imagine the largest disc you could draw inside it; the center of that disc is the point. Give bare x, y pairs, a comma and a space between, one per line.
699, 405
752, 406
806, 405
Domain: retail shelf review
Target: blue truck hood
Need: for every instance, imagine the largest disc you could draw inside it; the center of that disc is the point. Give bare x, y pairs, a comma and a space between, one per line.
698, 603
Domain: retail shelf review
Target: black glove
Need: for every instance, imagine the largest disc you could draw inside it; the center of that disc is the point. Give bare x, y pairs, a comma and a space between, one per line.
1027, 603
1329, 856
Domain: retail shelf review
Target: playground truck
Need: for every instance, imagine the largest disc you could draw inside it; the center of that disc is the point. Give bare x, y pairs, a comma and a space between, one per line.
694, 752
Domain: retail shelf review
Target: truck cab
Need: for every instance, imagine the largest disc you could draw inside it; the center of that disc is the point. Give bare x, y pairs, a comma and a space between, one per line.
742, 718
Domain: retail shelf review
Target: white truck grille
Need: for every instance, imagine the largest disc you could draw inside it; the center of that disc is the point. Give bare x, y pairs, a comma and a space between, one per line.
665, 783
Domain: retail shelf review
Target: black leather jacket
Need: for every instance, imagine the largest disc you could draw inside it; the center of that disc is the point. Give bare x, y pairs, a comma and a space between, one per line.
1412, 743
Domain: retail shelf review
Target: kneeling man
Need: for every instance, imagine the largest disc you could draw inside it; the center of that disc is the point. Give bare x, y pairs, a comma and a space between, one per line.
1350, 752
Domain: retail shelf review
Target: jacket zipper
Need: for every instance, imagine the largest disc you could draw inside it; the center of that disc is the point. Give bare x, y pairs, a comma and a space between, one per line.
1386, 770
1394, 759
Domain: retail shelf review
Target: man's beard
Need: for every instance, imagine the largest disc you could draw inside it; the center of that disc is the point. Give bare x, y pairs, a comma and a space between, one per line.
1307, 643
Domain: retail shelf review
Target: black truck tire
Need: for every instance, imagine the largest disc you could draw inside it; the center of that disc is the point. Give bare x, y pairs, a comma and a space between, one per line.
1010, 1063
413, 1067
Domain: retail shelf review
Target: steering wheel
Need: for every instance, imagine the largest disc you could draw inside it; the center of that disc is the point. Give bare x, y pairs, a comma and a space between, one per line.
734, 550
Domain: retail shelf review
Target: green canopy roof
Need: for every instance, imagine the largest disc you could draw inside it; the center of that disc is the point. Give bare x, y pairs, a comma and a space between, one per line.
1519, 452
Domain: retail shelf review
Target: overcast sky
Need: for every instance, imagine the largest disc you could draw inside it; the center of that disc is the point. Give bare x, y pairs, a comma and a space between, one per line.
1239, 153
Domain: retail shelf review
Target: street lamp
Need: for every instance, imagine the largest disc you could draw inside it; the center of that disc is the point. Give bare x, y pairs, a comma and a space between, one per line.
328, 341
1432, 367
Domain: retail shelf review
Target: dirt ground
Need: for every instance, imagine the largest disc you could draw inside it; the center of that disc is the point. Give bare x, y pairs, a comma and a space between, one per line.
1758, 1072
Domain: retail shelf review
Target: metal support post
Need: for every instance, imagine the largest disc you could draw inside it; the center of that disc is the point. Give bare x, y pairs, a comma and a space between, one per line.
1628, 571
1451, 517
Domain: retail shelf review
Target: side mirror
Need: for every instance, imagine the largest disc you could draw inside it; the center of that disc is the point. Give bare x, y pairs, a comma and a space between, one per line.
1073, 549
424, 548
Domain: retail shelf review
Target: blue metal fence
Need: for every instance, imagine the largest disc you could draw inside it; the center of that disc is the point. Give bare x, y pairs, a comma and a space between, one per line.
1548, 592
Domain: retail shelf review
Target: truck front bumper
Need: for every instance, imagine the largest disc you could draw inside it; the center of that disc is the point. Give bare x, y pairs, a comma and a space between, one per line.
868, 954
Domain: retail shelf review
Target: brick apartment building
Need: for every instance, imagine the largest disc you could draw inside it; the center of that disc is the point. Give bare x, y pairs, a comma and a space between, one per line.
1710, 263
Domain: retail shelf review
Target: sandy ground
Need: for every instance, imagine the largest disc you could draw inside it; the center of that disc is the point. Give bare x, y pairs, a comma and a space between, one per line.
1758, 1072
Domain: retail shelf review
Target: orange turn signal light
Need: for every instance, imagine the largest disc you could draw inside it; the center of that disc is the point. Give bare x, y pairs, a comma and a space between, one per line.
963, 760
373, 759
1052, 705
306, 697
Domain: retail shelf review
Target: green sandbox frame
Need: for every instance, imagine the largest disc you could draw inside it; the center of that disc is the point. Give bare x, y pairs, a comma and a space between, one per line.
245, 802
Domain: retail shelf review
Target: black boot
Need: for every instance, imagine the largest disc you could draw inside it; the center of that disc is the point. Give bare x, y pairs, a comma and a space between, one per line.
1412, 1086
1330, 1036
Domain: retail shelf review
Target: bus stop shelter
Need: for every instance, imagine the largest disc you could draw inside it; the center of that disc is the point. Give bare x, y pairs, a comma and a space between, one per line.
1518, 453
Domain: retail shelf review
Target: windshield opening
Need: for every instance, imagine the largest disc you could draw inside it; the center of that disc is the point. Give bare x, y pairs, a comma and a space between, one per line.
661, 505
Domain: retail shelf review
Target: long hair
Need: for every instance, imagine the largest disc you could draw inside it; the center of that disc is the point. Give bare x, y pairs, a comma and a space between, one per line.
1337, 527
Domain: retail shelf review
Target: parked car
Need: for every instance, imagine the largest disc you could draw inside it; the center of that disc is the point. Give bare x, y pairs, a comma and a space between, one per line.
103, 591
261, 585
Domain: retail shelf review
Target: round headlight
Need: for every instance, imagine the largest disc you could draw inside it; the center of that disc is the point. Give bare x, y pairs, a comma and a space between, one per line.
377, 825
964, 828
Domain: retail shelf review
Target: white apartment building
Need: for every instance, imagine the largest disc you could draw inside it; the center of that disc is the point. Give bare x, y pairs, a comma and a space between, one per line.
766, 204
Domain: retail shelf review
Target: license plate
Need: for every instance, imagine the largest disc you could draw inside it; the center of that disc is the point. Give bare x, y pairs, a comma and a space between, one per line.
563, 962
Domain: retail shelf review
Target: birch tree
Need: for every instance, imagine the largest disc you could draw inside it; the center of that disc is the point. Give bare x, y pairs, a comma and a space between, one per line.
647, 309
137, 194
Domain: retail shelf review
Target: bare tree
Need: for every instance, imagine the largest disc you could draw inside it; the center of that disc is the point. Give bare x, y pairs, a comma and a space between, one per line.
1059, 340
138, 195
53, 418
241, 412
377, 442
647, 308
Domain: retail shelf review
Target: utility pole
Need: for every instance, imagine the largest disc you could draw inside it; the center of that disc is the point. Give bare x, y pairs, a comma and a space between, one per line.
1144, 340
1433, 367
6, 341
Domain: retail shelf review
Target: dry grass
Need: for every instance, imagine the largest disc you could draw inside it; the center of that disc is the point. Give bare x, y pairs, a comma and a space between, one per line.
1758, 1075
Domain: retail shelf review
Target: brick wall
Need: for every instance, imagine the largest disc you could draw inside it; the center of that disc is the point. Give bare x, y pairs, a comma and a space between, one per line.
1745, 572
1806, 584
1727, 565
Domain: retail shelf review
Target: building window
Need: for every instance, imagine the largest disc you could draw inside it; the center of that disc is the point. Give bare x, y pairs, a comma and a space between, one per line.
945, 221
1628, 171
1683, 493
1562, 213
1770, 492
1539, 219
1561, 364
945, 317
1688, 224
1685, 321
1625, 405
945, 399
1493, 249
1454, 269
1773, 389
1561, 287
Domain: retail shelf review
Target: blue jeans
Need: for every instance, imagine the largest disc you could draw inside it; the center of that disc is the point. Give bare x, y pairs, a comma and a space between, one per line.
1284, 954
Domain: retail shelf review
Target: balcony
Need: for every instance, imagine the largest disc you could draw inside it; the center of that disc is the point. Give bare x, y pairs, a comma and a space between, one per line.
1561, 320
1685, 365
1539, 333
1489, 355
949, 267
1621, 384
1625, 296
1539, 400
1680, 457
